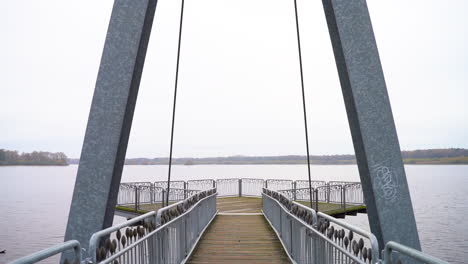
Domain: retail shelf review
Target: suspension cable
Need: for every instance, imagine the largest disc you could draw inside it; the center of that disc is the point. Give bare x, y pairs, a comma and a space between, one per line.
175, 100
303, 100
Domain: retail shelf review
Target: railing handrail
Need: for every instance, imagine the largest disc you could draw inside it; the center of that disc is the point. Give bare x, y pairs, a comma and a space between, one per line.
311, 228
314, 226
172, 206
368, 235
228, 179
288, 180
247, 178
159, 227
312, 211
130, 246
296, 189
94, 240
162, 210
51, 251
171, 181
411, 252
180, 189
136, 184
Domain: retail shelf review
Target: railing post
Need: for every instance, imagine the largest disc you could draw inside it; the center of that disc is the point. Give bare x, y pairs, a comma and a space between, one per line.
266, 184
162, 197
136, 198
291, 237
343, 196
240, 187
185, 190
328, 192
185, 236
316, 201
294, 190
214, 184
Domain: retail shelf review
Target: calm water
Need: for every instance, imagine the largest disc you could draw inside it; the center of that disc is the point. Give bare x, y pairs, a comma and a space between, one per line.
34, 201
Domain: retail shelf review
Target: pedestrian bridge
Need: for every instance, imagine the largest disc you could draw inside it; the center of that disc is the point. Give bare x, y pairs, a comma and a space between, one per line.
208, 226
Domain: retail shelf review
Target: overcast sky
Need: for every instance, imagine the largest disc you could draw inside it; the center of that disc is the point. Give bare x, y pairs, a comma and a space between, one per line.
239, 89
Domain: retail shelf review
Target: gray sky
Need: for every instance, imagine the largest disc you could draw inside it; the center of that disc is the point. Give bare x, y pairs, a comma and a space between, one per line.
239, 89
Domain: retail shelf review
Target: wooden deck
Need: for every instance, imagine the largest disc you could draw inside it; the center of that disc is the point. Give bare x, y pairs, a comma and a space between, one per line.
239, 239
239, 205
234, 205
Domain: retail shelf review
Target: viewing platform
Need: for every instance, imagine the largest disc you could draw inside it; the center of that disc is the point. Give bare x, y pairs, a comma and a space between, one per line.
239, 232
243, 195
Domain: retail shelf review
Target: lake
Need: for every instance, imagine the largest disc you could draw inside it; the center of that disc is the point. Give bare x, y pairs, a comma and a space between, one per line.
34, 201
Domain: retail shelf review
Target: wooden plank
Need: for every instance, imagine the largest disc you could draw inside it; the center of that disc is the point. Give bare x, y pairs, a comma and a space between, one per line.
239, 205
239, 239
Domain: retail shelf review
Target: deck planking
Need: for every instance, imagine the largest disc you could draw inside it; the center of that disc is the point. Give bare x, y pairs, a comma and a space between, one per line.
239, 239
252, 205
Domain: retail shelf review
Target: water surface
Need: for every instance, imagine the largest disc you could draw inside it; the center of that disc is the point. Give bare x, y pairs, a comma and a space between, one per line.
34, 201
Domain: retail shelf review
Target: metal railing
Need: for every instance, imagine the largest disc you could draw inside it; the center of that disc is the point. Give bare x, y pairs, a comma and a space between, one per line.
228, 187
134, 195
353, 193
305, 184
279, 184
174, 184
404, 251
344, 195
52, 251
309, 237
201, 184
251, 187
165, 236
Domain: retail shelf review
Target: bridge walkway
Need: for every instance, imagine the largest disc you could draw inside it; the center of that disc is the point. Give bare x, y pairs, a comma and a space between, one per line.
239, 234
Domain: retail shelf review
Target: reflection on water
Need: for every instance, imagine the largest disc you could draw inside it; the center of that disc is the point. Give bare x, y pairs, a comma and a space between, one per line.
34, 201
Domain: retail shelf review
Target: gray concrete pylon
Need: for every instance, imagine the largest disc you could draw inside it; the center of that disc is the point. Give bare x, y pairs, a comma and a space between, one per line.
371, 121
110, 119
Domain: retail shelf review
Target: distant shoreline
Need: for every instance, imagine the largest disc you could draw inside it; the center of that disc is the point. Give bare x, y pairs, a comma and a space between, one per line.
35, 158
415, 157
180, 164
448, 156
30, 165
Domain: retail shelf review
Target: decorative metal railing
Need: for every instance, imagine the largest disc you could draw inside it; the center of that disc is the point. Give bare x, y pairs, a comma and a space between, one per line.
127, 193
278, 184
251, 187
353, 193
201, 184
228, 187
310, 237
305, 184
174, 184
345, 195
164, 236
135, 195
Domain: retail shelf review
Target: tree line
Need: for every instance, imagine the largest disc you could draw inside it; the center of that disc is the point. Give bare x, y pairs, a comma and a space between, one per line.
423, 156
13, 157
